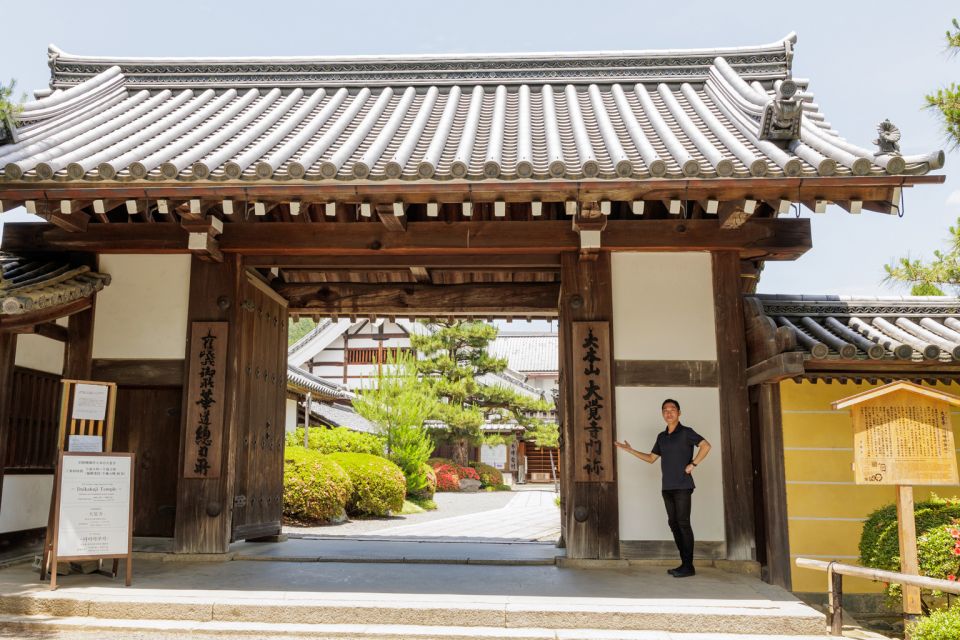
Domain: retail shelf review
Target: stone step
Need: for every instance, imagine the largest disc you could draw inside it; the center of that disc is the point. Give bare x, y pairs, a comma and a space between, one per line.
46, 627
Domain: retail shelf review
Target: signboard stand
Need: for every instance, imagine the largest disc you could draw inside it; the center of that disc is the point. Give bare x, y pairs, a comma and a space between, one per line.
87, 410
903, 436
93, 510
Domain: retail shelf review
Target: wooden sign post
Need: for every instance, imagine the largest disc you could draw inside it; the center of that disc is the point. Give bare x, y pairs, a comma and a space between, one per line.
93, 510
593, 434
903, 436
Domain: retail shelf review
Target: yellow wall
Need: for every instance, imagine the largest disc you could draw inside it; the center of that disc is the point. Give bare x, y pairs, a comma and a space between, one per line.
825, 508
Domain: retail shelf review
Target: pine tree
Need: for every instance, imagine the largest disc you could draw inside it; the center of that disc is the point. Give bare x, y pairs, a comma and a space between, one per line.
946, 101
454, 357
9, 110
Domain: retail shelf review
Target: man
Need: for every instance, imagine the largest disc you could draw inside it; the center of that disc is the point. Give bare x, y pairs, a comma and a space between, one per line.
675, 445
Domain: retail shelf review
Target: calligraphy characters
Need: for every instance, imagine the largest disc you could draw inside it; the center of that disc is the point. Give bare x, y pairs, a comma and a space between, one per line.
207, 374
592, 405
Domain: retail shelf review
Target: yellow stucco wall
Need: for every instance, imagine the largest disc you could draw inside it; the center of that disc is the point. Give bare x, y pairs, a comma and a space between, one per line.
825, 508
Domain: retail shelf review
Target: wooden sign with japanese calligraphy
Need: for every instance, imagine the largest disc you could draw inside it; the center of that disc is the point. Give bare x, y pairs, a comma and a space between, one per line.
903, 437
592, 402
205, 390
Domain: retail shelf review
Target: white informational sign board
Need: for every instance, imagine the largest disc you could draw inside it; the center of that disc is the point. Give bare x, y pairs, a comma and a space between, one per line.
494, 455
90, 401
85, 444
93, 517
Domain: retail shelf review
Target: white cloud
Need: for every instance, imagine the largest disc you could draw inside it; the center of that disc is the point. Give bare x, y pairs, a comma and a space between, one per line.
954, 198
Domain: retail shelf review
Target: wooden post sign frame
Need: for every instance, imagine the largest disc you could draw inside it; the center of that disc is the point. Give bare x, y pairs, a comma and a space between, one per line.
903, 436
55, 550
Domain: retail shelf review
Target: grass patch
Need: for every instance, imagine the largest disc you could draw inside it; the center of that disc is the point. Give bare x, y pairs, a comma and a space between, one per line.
410, 508
424, 504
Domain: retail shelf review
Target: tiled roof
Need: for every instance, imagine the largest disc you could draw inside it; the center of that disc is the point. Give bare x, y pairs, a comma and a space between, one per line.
305, 381
673, 114
341, 416
528, 353
34, 283
919, 329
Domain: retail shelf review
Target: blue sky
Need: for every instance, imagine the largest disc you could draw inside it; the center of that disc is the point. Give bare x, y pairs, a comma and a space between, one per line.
866, 60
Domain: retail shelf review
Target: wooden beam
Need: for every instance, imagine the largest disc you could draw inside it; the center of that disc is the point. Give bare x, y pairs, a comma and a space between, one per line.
423, 299
776, 368
735, 444
78, 354
51, 211
774, 485
768, 239
52, 331
8, 355
9, 205
33, 318
392, 216
140, 373
420, 274
733, 215
666, 373
534, 261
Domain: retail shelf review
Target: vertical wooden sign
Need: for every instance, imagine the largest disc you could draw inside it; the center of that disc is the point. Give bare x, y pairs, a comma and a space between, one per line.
206, 375
593, 395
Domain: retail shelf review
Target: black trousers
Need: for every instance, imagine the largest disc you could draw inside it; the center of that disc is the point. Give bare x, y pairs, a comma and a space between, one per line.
677, 502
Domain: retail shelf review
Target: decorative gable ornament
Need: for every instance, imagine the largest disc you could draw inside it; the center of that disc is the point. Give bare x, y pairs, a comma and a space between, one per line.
782, 116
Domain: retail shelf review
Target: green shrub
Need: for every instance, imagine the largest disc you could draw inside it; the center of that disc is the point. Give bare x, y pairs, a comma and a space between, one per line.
378, 484
939, 625
935, 518
337, 440
429, 487
315, 488
489, 476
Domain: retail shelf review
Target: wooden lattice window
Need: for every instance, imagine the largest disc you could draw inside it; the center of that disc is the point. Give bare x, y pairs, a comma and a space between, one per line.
372, 355
33, 421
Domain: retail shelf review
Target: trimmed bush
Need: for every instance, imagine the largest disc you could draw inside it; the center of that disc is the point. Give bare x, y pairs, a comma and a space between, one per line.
337, 440
489, 476
378, 485
939, 625
447, 477
315, 488
430, 488
938, 551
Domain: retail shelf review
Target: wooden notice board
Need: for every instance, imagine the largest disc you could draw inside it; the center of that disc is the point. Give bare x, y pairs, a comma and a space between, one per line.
93, 509
206, 376
593, 395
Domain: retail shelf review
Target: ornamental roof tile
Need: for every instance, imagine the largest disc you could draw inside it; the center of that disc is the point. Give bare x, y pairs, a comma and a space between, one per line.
34, 283
300, 380
613, 115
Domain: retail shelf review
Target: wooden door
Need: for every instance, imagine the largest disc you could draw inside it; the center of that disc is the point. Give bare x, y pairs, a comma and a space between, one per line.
258, 490
148, 424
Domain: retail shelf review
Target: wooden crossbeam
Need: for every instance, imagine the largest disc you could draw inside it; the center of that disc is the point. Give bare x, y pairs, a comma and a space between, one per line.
51, 212
733, 215
9, 205
420, 274
392, 216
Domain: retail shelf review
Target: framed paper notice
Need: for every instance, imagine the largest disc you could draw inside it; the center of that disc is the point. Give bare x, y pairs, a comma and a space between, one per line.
90, 402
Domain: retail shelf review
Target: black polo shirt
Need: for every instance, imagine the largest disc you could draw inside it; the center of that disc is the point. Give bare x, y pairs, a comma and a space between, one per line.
676, 452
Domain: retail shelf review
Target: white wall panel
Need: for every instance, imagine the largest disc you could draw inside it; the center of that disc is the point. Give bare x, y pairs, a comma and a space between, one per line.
143, 313
663, 306
292, 410
26, 502
42, 354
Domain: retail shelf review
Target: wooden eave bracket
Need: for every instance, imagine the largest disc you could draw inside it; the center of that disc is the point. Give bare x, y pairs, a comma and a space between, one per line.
776, 368
734, 214
72, 220
589, 222
202, 240
393, 216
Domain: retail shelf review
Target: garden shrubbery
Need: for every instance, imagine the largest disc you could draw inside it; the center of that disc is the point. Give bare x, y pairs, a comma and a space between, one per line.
449, 474
429, 488
315, 488
489, 476
337, 440
939, 625
378, 484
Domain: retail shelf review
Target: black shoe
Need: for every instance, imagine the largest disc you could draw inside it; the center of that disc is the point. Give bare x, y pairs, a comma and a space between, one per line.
684, 572
673, 571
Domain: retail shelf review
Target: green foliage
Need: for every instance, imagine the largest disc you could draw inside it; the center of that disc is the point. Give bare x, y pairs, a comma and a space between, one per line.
427, 504
939, 625
935, 518
297, 330
926, 289
337, 440
455, 355
942, 271
378, 484
10, 109
946, 101
399, 405
429, 488
545, 434
315, 488
489, 476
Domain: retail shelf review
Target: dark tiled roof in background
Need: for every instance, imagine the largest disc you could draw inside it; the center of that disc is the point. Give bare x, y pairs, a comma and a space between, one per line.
304, 381
341, 416
34, 283
870, 328
528, 353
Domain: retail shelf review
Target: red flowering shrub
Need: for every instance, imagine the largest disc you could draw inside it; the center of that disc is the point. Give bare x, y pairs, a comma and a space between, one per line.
447, 478
467, 472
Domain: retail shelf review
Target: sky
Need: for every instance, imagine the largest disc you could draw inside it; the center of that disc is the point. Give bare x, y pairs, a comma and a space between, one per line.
866, 61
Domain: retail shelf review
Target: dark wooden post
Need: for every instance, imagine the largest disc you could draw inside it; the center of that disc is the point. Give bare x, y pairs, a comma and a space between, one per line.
774, 486
78, 353
735, 444
591, 513
205, 505
8, 352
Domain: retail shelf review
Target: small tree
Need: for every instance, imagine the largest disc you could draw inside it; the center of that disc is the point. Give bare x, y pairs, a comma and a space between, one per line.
399, 405
10, 110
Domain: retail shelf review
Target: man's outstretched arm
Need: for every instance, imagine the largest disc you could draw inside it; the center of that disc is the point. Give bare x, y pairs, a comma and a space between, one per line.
646, 457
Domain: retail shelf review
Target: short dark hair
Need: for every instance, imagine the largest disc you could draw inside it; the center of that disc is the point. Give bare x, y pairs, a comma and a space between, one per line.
670, 401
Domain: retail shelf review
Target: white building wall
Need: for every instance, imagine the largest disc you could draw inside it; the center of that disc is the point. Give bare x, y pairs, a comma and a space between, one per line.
290, 417
663, 310
143, 313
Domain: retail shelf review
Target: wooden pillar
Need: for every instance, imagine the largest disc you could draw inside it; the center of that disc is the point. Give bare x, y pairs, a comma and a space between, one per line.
205, 505
774, 486
591, 514
735, 443
78, 352
8, 352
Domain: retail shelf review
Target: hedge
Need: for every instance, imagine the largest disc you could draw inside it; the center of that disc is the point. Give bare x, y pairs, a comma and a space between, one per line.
378, 485
939, 625
315, 488
489, 476
337, 440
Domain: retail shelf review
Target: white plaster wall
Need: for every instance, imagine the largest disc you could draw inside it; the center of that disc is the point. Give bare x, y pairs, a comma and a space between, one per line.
642, 516
663, 306
290, 424
42, 354
143, 313
26, 502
